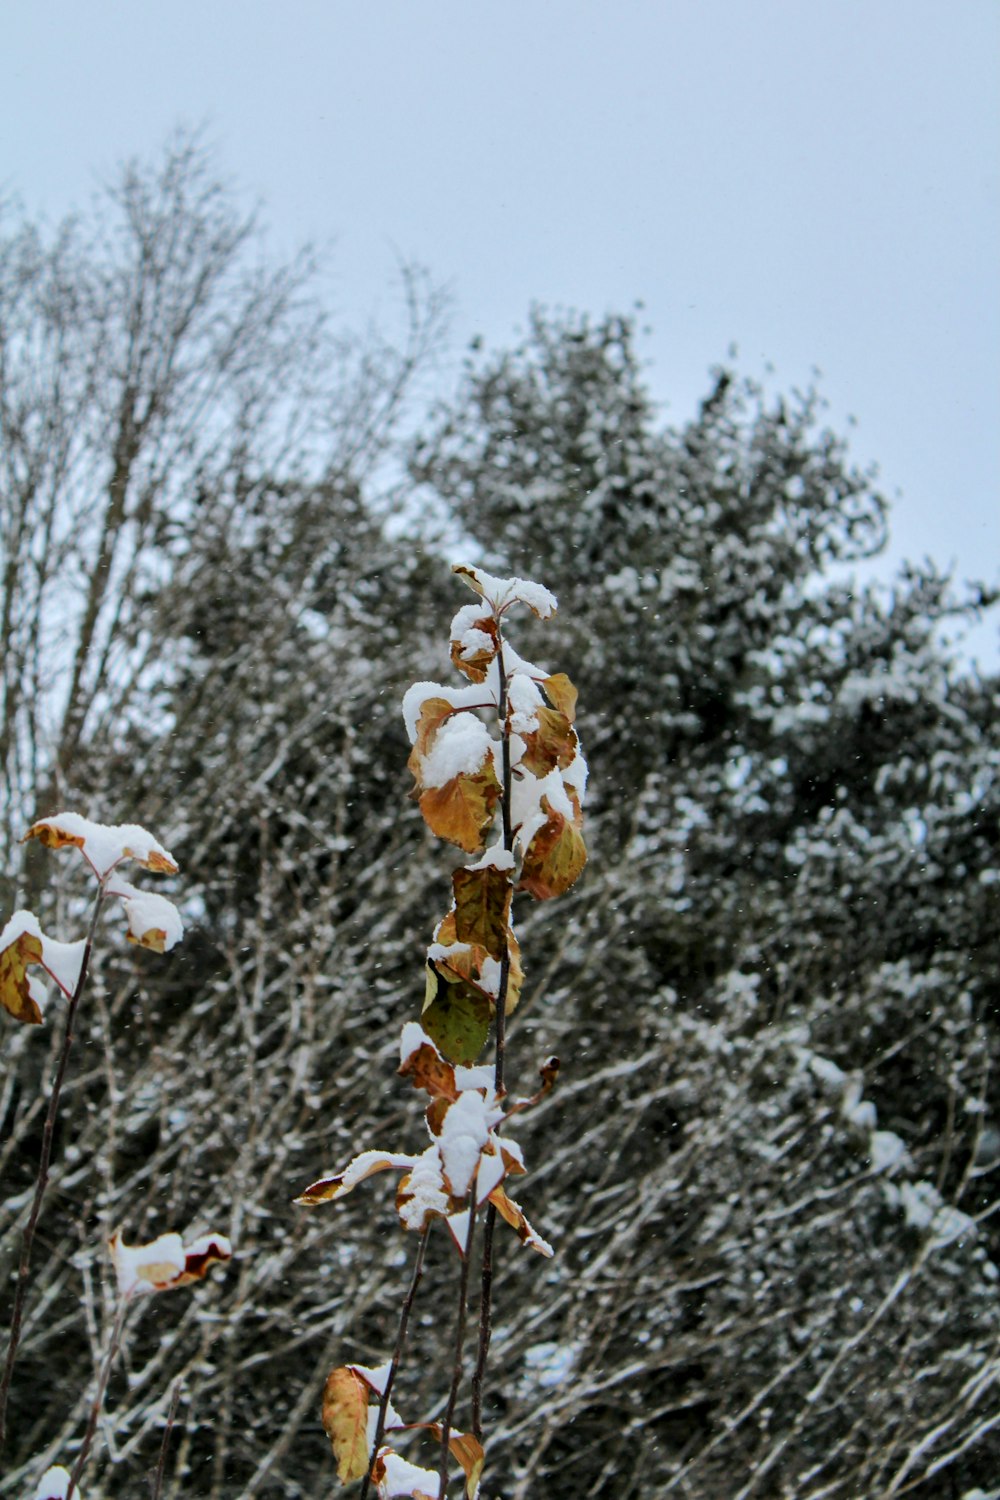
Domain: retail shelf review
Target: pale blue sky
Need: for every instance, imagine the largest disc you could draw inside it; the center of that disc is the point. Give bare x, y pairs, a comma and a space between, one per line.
818, 183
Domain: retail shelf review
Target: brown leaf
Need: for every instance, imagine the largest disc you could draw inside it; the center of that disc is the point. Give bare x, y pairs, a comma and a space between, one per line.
482, 908
429, 1071
561, 694
461, 811
552, 744
556, 855
367, 1164
476, 664
466, 1450
515, 1216
345, 1421
15, 986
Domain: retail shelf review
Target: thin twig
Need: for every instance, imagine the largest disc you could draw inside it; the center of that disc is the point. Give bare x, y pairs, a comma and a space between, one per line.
456, 1373
98, 1401
161, 1467
397, 1354
45, 1157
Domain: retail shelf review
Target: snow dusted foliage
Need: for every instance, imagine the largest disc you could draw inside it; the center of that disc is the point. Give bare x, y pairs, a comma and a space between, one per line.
773, 992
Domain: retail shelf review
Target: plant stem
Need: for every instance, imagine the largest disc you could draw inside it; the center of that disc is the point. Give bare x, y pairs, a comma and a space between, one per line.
42, 1180
162, 1465
397, 1354
486, 1297
456, 1373
98, 1402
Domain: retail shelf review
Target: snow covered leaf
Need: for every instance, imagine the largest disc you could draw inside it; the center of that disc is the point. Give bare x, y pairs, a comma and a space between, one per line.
325, 1189
501, 593
395, 1476
165, 1263
345, 1422
561, 694
556, 854
54, 1485
515, 1216
101, 845
482, 908
552, 745
23, 944
433, 713
475, 642
461, 810
456, 1015
153, 921
428, 1069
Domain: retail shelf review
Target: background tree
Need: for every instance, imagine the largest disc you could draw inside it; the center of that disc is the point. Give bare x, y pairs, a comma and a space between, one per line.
771, 1168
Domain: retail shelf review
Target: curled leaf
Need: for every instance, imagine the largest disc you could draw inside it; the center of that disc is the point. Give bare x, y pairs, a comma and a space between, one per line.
366, 1165
165, 1263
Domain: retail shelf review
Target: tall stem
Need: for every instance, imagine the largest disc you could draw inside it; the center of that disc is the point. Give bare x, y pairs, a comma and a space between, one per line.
42, 1180
456, 1372
98, 1401
486, 1296
161, 1467
397, 1354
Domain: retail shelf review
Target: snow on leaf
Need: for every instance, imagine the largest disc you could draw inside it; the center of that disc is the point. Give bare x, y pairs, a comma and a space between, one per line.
515, 1216
165, 1263
153, 921
550, 747
345, 1422
475, 641
482, 908
501, 593
428, 1070
54, 1485
461, 810
395, 1476
103, 846
22, 945
556, 854
561, 694
433, 713
325, 1189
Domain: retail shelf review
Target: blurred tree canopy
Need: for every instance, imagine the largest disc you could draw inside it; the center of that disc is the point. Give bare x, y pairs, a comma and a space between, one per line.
772, 1168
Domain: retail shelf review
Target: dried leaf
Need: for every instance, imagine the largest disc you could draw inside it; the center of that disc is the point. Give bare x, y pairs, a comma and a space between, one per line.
482, 908
466, 1450
165, 1263
15, 982
552, 745
515, 1216
345, 1421
325, 1189
429, 1071
556, 855
456, 1016
461, 811
561, 694
473, 657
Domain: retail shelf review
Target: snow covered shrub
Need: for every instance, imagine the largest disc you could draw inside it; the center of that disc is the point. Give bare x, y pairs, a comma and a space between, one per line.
523, 785
153, 922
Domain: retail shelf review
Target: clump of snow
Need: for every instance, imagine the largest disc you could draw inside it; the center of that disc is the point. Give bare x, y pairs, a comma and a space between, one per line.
464, 1133
54, 1484
460, 748
887, 1151
472, 695
403, 1478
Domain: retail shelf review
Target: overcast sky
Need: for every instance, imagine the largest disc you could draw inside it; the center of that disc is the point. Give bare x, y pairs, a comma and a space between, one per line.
814, 181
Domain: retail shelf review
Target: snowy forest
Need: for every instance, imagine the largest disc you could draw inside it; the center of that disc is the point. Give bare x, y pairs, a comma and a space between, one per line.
770, 1168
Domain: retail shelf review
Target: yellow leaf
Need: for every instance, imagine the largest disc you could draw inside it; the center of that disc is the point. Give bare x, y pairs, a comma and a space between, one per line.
461, 811
515, 1216
468, 1451
15, 985
345, 1421
482, 906
561, 694
556, 855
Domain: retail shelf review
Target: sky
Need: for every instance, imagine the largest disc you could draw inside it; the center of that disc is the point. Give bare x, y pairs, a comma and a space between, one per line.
816, 185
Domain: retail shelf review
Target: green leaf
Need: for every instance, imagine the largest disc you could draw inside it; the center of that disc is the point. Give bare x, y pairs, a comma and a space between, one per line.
456, 1017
